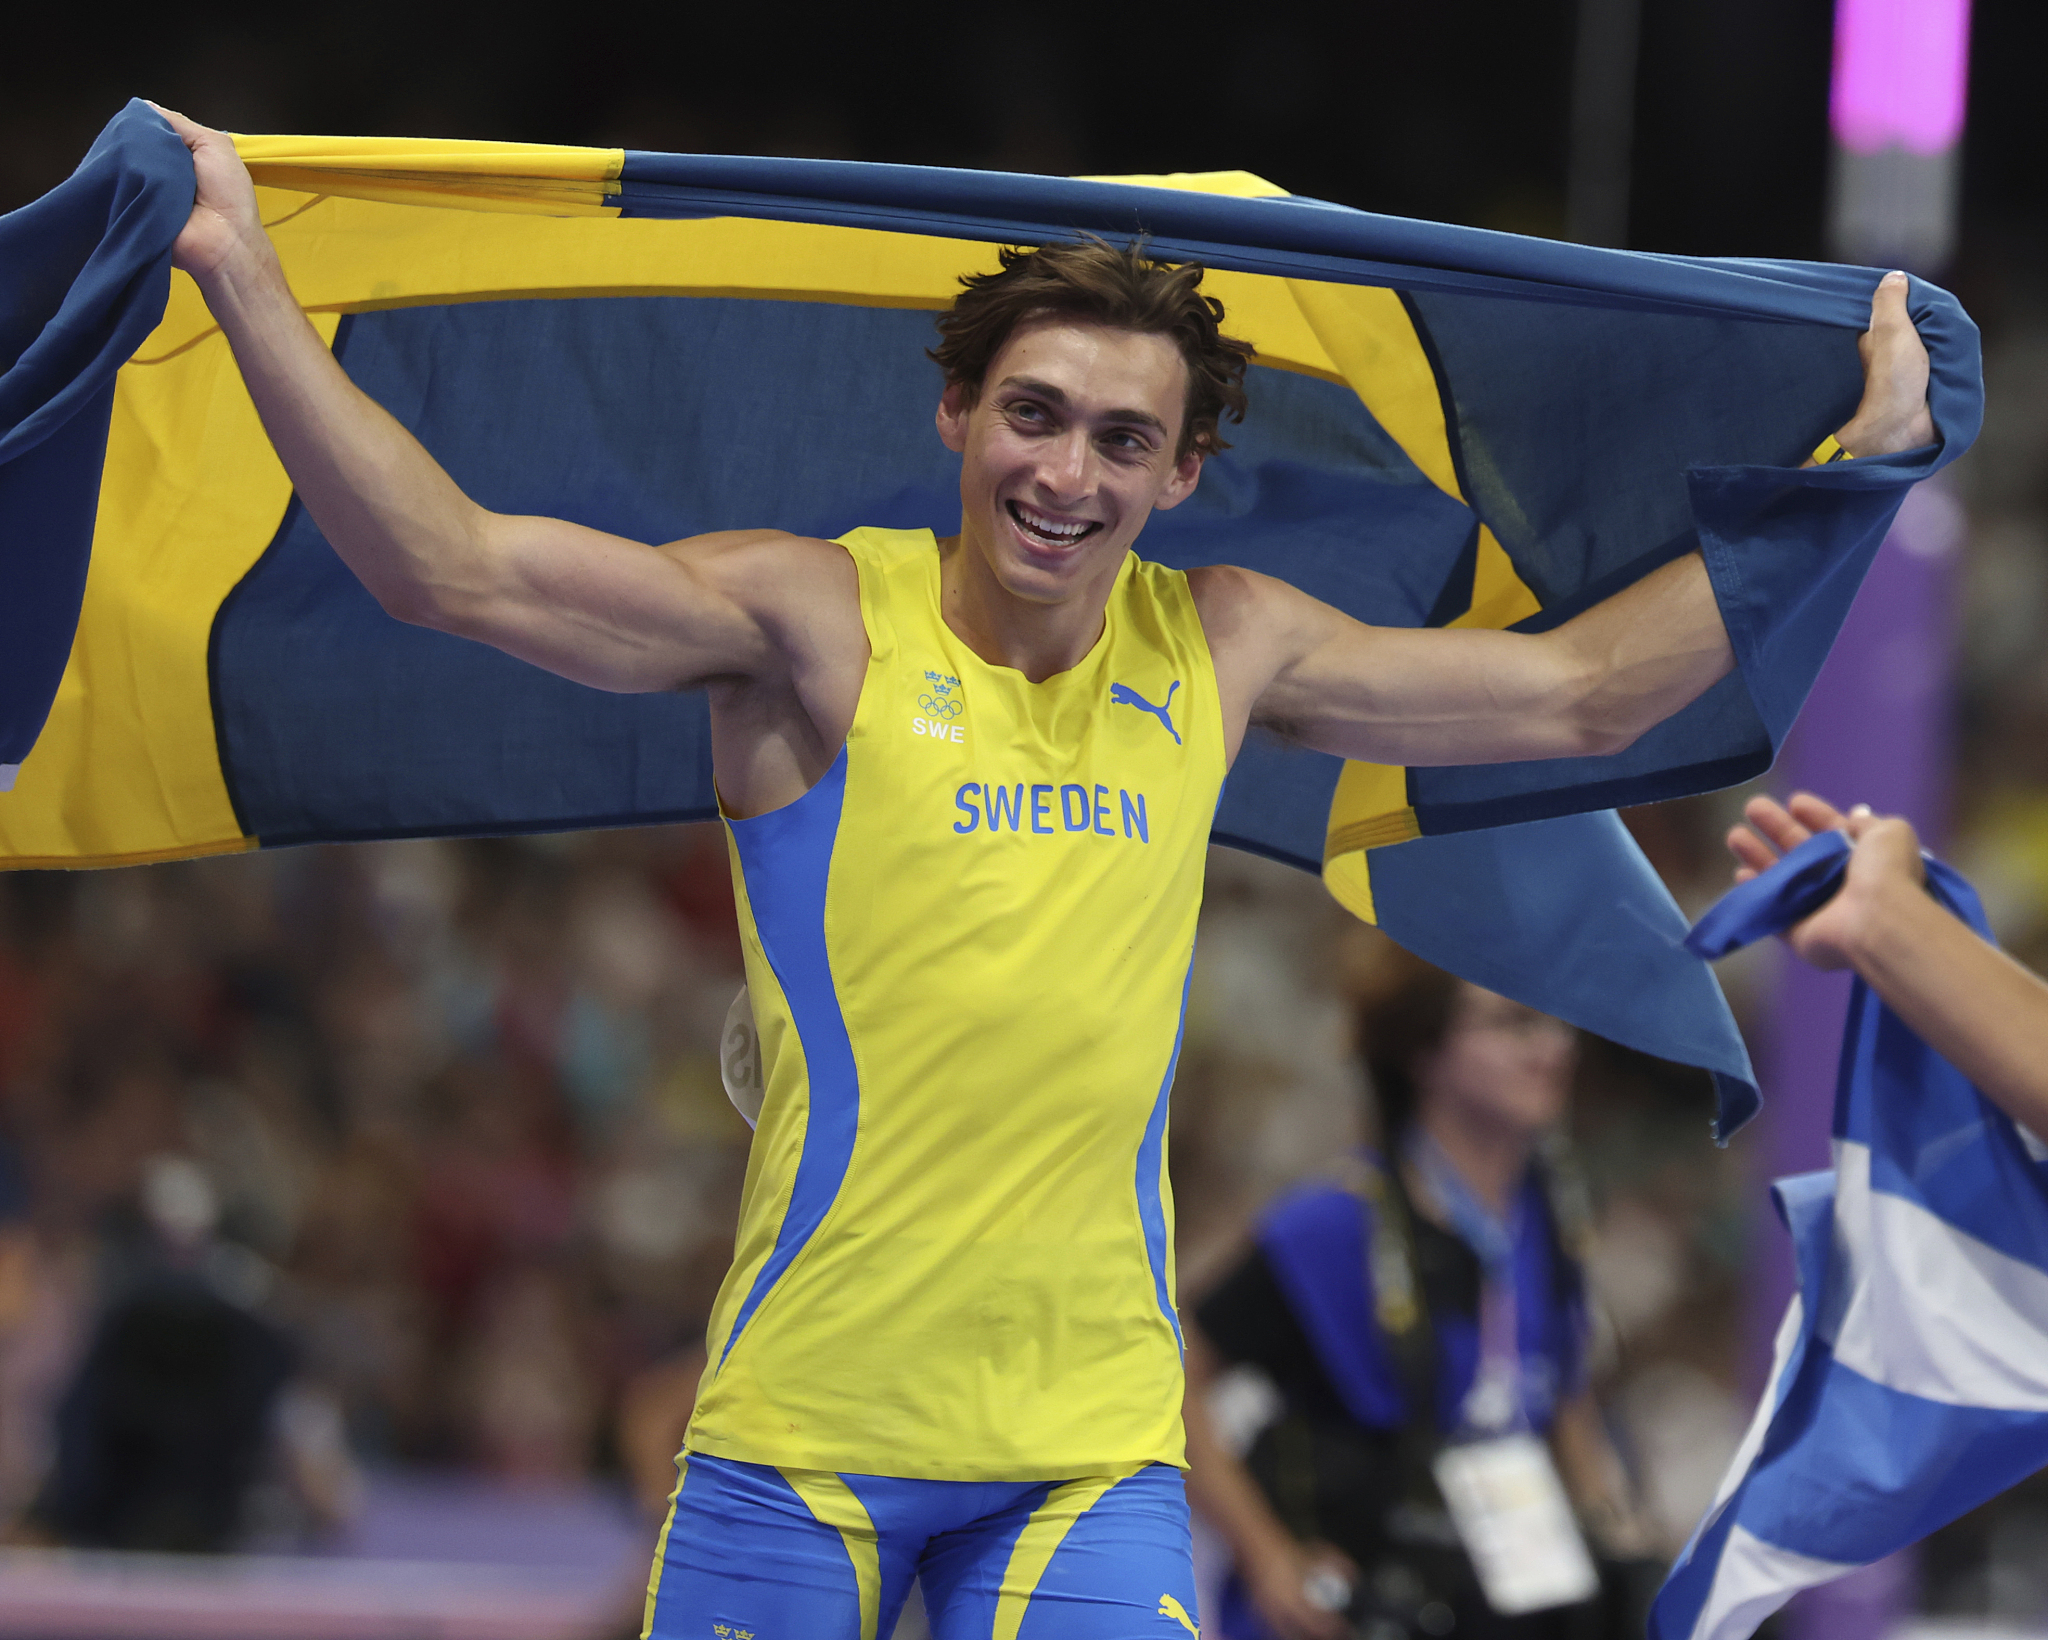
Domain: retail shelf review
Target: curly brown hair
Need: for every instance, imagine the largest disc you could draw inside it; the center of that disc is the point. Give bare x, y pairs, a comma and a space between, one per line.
1118, 285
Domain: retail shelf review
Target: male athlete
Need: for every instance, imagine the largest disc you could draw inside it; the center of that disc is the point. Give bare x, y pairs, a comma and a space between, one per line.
968, 785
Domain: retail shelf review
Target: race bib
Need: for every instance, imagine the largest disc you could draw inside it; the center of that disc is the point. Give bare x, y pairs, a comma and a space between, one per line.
739, 1060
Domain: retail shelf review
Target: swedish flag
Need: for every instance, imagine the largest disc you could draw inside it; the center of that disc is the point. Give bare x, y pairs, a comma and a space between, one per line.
1449, 427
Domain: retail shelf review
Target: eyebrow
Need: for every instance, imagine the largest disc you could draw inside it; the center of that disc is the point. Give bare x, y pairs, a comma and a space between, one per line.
1046, 390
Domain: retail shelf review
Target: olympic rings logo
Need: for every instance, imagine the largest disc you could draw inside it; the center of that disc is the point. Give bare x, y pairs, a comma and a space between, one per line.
933, 706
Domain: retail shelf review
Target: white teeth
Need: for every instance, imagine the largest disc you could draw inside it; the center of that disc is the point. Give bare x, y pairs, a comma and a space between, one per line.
1045, 526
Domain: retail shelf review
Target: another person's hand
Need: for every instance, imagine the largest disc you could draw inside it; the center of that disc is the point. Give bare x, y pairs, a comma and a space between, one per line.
1962, 996
1885, 863
224, 218
1278, 1582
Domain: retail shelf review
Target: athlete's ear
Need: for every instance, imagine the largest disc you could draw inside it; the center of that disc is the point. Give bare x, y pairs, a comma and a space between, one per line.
1187, 473
954, 405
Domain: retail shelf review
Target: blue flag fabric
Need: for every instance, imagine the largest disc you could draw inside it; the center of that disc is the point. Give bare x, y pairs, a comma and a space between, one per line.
1911, 1377
84, 274
1448, 427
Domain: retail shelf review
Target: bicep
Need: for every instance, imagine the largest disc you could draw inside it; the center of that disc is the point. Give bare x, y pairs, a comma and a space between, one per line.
619, 614
1420, 695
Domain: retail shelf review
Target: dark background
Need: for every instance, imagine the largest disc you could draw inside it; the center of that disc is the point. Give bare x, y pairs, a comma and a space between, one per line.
1456, 110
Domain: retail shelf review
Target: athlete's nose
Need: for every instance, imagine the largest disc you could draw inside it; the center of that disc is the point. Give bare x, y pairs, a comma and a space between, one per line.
1063, 470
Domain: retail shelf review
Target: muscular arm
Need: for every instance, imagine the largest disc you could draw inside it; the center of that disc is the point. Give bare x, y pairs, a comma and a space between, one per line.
1969, 1001
1591, 685
609, 612
1414, 696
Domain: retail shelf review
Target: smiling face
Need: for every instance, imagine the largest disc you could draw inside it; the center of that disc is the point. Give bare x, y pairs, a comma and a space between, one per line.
1070, 445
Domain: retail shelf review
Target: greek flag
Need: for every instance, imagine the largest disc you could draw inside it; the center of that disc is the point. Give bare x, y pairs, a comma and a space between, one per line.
1911, 1377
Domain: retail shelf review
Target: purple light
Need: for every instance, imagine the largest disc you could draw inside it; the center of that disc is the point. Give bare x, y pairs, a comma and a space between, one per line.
1901, 70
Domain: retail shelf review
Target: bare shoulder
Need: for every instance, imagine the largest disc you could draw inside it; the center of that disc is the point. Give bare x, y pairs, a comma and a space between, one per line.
768, 561
795, 585
776, 725
1257, 626
1252, 620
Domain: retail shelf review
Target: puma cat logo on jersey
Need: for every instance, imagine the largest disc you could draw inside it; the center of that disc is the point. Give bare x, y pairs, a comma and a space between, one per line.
1122, 694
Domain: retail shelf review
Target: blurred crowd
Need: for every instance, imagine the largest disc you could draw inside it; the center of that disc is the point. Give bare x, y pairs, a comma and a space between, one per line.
445, 1117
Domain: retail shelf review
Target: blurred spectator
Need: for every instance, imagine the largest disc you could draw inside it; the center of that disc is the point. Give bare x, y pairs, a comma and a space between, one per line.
163, 1432
1426, 1296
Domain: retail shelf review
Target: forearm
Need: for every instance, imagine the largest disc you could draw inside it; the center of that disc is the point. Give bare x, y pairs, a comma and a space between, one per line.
1969, 1001
386, 506
1644, 653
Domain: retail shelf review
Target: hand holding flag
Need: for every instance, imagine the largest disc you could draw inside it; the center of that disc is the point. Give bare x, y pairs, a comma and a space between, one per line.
1908, 1386
224, 215
1974, 1005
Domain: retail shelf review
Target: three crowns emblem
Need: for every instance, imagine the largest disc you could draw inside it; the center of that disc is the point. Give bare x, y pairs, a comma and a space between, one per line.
941, 696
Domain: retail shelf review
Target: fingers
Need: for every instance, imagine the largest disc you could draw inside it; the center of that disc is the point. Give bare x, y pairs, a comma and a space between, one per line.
1893, 414
1887, 858
1816, 813
1890, 323
1777, 825
1888, 303
1886, 834
1752, 853
1776, 828
190, 129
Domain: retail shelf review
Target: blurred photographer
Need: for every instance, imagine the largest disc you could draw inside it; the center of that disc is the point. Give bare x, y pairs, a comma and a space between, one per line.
1420, 1315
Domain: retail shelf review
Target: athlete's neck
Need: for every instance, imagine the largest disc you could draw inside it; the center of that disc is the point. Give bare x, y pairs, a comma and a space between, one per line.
1039, 639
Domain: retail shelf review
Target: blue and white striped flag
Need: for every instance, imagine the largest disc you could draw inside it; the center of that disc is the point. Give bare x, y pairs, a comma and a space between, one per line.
1911, 1376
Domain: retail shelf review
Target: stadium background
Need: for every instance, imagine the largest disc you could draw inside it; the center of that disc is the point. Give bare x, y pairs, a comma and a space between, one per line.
457, 1103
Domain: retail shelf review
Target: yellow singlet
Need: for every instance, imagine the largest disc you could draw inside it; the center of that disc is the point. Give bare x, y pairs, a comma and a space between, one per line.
968, 950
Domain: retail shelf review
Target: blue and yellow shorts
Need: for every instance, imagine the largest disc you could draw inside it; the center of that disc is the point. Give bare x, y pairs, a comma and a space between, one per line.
757, 1553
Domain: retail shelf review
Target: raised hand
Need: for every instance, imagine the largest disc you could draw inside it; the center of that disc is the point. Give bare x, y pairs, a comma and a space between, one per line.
1886, 861
1962, 996
1773, 829
1893, 415
224, 221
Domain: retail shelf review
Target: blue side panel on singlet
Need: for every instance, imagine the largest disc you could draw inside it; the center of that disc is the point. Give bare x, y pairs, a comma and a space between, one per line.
787, 858
1151, 1159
